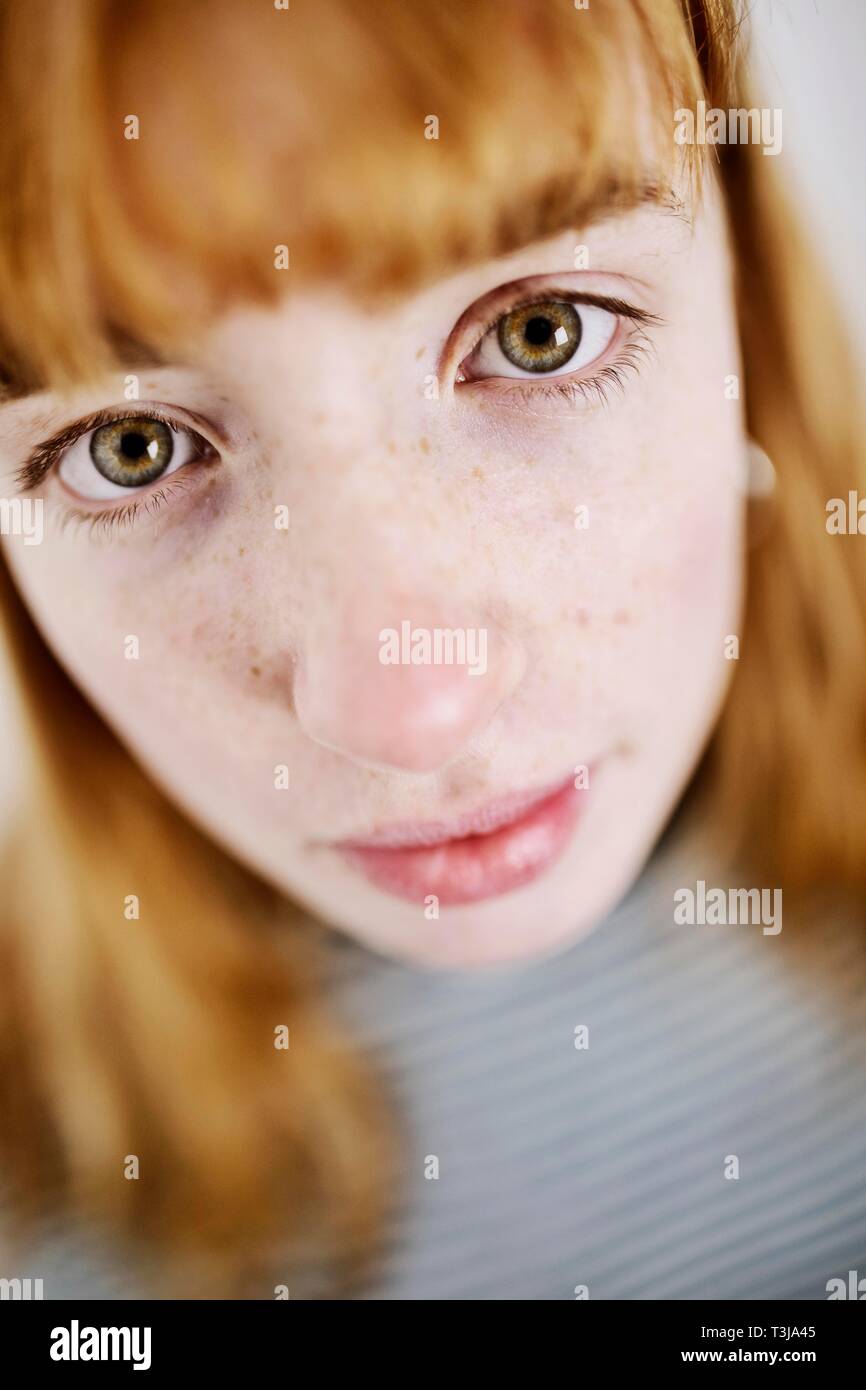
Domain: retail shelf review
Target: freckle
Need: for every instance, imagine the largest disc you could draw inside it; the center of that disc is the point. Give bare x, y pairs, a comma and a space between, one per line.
392, 448
423, 445
320, 418
255, 671
478, 474
242, 551
419, 353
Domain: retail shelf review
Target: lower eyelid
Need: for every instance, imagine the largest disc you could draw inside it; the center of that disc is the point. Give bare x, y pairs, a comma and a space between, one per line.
593, 382
148, 501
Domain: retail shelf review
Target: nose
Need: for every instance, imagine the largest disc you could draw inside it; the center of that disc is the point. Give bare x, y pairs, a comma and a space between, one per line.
400, 692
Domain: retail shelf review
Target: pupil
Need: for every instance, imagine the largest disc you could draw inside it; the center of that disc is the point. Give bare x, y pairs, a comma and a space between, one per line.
537, 331
133, 445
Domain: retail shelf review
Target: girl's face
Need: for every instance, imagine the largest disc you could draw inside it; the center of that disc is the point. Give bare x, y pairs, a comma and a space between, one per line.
420, 611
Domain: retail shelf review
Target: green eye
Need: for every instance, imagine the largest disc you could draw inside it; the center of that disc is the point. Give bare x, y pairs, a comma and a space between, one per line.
132, 452
540, 337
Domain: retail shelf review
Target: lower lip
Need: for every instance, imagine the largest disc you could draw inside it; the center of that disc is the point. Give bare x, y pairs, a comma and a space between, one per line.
479, 866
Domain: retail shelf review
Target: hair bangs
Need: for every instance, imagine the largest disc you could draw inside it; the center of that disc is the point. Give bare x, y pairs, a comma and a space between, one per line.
165, 162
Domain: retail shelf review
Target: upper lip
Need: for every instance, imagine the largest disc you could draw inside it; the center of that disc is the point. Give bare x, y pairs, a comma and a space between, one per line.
493, 815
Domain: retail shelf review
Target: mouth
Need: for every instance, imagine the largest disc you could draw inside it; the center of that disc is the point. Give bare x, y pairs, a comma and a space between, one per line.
483, 854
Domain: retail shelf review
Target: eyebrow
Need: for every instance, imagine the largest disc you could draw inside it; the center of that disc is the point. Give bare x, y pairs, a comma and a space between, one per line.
559, 206
665, 198
622, 198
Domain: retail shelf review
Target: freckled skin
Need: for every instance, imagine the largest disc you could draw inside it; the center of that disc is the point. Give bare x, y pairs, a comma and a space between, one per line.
259, 647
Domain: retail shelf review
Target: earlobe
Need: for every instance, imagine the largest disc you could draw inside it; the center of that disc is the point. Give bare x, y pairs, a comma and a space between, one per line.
759, 472
758, 486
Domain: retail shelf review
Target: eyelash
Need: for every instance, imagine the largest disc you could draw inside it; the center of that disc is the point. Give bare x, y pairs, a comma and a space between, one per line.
635, 351
46, 457
598, 388
123, 518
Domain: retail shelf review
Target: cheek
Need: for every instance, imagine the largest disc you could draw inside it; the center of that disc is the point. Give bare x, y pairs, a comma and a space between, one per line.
704, 577
197, 591
626, 619
141, 628
685, 601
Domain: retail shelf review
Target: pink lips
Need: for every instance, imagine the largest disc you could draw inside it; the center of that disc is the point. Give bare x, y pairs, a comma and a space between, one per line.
482, 855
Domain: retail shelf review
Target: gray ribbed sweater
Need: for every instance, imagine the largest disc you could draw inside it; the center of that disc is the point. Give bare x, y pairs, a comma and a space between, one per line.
605, 1166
